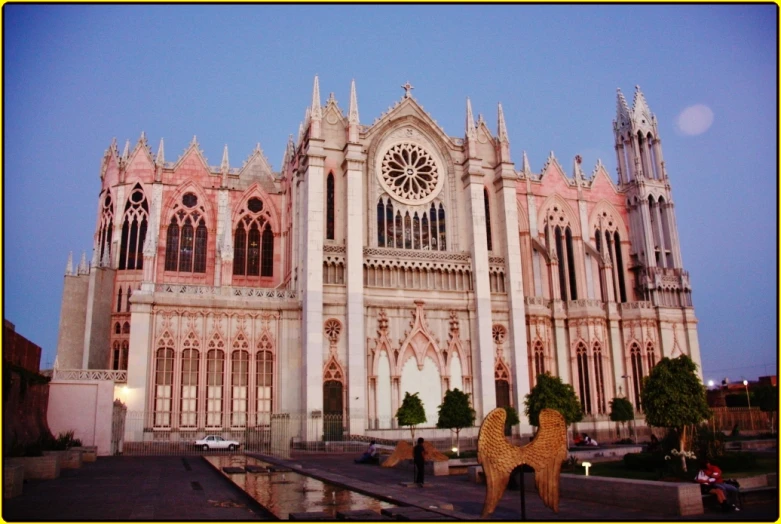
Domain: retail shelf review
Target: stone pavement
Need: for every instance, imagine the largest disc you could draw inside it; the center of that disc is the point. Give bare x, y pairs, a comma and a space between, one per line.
133, 489
466, 498
187, 489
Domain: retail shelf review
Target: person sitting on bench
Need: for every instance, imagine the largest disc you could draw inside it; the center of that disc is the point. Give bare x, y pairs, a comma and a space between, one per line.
370, 455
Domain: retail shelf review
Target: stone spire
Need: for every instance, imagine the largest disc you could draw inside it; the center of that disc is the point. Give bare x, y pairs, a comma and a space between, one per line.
83, 269
353, 119
640, 108
317, 112
525, 168
471, 132
69, 265
577, 171
126, 152
622, 110
502, 131
470, 120
225, 166
502, 140
160, 160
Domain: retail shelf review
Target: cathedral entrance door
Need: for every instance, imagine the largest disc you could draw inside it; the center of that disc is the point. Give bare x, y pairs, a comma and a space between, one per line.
332, 410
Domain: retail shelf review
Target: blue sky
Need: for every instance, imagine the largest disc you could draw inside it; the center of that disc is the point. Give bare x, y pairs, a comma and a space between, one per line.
78, 75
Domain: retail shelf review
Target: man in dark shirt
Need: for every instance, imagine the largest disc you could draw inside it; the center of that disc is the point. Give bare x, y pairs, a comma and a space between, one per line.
418, 458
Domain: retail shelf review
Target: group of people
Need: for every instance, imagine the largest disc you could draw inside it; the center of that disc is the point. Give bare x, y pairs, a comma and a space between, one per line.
582, 439
710, 479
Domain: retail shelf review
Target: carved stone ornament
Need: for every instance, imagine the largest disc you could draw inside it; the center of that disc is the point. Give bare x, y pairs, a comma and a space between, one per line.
410, 173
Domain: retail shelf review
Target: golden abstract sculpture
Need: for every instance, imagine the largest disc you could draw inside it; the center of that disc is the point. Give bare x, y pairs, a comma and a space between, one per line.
403, 451
545, 454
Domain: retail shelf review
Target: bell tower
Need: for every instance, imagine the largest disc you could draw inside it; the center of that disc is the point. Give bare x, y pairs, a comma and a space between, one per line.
655, 252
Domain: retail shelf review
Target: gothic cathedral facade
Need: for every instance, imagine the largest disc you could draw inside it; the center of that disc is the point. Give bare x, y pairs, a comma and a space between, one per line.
381, 259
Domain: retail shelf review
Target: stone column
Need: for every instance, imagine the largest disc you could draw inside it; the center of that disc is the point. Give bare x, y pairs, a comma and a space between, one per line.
140, 355
647, 237
312, 279
356, 351
483, 351
508, 210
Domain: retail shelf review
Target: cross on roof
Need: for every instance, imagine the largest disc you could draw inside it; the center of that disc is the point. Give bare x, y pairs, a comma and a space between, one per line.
407, 87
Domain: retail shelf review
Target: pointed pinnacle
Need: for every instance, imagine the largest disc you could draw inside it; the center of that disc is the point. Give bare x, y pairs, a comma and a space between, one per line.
353, 114
195, 141
502, 133
126, 152
83, 264
316, 109
69, 266
224, 166
525, 166
160, 154
470, 121
143, 137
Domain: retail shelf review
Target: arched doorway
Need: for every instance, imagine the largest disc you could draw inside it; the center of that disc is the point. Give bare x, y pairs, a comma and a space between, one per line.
332, 410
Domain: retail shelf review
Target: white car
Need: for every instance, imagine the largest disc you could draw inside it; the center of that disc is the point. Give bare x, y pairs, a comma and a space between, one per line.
216, 442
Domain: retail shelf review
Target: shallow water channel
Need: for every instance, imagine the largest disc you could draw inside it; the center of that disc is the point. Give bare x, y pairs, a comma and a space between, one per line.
285, 492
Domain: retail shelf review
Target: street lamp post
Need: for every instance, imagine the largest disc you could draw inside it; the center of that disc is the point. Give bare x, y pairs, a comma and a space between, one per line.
748, 399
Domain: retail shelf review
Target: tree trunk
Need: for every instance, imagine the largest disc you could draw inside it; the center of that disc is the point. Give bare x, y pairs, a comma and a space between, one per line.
681, 446
458, 444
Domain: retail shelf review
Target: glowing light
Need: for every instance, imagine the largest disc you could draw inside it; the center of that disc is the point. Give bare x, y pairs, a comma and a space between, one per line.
586, 465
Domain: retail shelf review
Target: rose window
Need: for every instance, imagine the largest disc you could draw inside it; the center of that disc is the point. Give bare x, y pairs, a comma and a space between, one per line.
409, 172
499, 333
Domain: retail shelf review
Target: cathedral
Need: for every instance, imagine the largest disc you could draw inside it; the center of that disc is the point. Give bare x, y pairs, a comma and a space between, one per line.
380, 259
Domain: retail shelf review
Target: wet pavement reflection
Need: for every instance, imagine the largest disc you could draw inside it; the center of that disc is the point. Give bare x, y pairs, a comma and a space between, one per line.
284, 492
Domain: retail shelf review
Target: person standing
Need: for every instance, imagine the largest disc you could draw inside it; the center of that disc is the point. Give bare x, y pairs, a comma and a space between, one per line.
418, 457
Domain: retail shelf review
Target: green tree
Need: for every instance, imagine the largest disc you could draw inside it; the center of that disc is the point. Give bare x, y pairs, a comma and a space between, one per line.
674, 397
551, 392
455, 412
411, 412
621, 410
766, 397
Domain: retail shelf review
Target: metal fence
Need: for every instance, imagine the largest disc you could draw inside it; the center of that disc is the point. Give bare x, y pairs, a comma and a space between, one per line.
276, 434
745, 419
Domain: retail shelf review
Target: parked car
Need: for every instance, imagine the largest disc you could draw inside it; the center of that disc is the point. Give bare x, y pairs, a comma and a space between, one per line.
216, 442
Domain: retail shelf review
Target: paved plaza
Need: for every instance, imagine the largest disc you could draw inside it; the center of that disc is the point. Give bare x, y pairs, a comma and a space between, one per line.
188, 489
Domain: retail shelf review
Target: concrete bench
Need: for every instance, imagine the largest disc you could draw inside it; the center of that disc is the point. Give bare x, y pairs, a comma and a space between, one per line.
453, 467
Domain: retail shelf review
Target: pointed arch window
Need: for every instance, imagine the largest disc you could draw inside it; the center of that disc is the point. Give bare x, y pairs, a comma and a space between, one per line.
253, 246
264, 369
127, 302
267, 250
599, 378
187, 237
636, 361
381, 223
239, 388
389, 234
117, 329
650, 355
134, 230
164, 379
329, 208
189, 393
119, 301
116, 355
502, 385
487, 220
106, 225
442, 229
584, 379
573, 284
539, 359
215, 376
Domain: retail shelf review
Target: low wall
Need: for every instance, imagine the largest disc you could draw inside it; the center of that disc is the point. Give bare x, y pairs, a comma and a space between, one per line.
84, 406
603, 454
